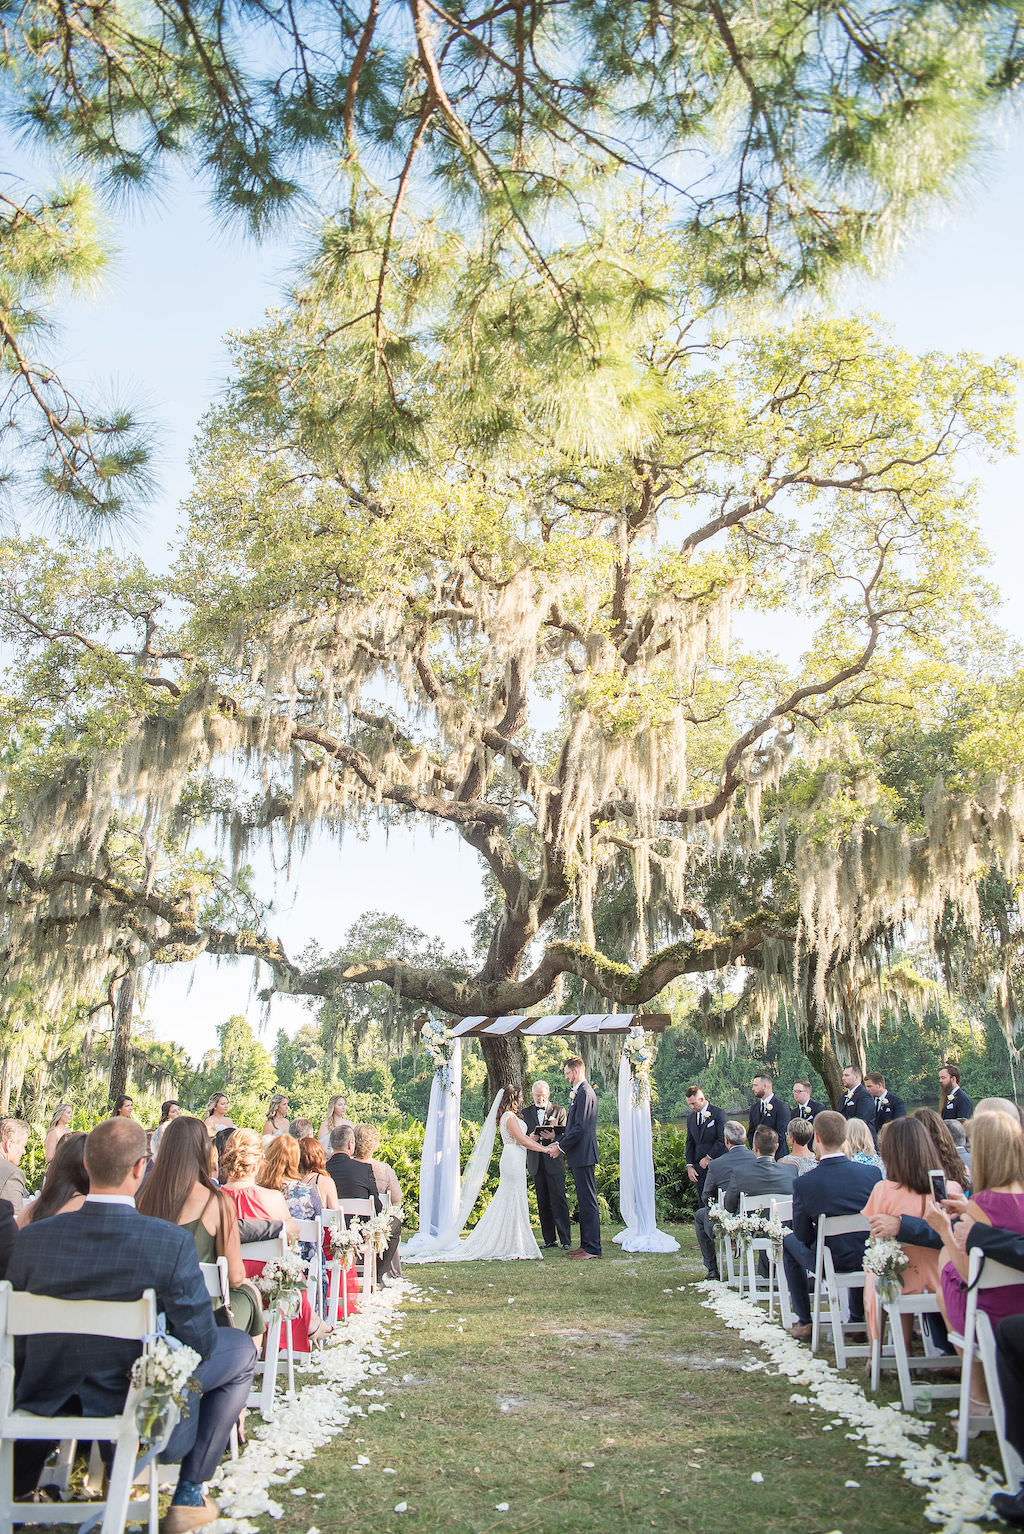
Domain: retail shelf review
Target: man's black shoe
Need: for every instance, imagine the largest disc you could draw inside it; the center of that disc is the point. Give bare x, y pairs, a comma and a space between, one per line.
1010, 1509
549, 1246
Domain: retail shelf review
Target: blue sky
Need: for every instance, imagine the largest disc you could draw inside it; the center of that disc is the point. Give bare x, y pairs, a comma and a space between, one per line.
154, 332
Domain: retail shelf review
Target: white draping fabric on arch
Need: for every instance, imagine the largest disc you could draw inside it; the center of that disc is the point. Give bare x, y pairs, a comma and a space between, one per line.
439, 1163
636, 1171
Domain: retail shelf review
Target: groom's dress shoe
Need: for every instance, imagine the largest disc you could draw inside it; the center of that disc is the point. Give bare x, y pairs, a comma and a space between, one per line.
582, 1254
1010, 1509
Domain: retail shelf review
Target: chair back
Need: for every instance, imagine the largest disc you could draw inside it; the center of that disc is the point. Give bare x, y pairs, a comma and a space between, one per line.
265, 1251
755, 1203
782, 1208
355, 1206
27, 1315
215, 1276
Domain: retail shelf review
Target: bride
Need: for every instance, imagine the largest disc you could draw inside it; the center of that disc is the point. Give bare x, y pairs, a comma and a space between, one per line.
503, 1231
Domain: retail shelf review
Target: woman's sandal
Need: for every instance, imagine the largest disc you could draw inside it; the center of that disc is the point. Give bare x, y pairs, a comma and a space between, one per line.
321, 1331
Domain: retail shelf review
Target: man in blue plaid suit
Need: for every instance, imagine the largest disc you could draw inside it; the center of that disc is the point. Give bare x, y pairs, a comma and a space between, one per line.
107, 1250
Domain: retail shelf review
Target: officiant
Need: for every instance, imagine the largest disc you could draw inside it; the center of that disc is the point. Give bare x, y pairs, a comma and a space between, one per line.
545, 1121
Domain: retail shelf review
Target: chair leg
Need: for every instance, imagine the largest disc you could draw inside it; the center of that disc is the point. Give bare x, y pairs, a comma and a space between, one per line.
122, 1473
963, 1430
899, 1348
6, 1483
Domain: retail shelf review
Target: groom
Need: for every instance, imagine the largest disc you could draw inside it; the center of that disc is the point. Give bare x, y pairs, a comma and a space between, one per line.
579, 1147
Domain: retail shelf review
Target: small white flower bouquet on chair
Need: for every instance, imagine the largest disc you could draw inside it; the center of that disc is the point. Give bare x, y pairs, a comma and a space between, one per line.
886, 1261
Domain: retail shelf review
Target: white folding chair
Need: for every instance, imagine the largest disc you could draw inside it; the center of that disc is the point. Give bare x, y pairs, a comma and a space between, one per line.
836, 1285
978, 1336
366, 1264
215, 1276
896, 1355
769, 1204
724, 1251
33, 1315
262, 1396
312, 1231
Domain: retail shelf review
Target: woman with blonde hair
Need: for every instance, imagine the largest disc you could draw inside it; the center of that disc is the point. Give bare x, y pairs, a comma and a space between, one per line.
860, 1145
277, 1117
388, 1186
217, 1114
336, 1114
60, 1125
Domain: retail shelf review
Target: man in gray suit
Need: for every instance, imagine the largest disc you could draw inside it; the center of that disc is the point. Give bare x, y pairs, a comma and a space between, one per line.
13, 1140
719, 1173
763, 1175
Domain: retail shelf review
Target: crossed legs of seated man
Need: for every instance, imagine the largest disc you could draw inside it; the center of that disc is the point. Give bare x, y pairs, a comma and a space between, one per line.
798, 1261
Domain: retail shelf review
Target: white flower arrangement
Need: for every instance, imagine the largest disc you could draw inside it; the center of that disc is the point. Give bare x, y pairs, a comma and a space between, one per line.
886, 1260
638, 1048
282, 1281
439, 1042
346, 1243
377, 1229
724, 1224
161, 1377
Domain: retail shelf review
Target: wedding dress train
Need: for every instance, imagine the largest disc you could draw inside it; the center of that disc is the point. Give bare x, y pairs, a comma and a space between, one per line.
503, 1232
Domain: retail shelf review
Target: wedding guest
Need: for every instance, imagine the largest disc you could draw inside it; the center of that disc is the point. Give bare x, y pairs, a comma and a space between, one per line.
545, 1121
355, 1179
181, 1190
955, 1103
13, 1142
998, 1105
123, 1108
905, 1189
335, 1116
887, 1105
217, 1114
279, 1169
60, 1125
857, 1102
719, 1173
945, 1155
313, 1170
807, 1107
860, 1144
169, 1111
8, 1235
765, 1175
766, 1110
998, 1199
957, 1132
367, 1140
65, 1185
799, 1136
705, 1138
277, 1116
836, 1186
107, 1250
299, 1129
243, 1154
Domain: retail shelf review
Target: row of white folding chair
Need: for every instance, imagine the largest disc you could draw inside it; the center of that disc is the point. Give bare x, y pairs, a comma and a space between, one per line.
978, 1337
312, 1232
33, 1315
725, 1252
365, 1265
215, 1276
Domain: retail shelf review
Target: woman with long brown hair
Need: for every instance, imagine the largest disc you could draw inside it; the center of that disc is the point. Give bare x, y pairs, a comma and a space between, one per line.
180, 1189
907, 1151
65, 1185
946, 1154
313, 1170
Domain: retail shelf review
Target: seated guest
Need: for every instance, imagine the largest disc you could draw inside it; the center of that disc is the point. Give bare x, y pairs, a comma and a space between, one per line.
765, 1175
799, 1137
279, 1169
998, 1105
705, 1137
998, 1199
856, 1102
807, 1107
181, 1190
367, 1140
65, 1185
355, 1179
299, 1129
60, 1125
8, 1234
860, 1144
906, 1150
836, 1186
944, 1152
313, 1170
243, 1154
107, 1250
767, 1111
955, 1104
719, 1173
957, 1131
13, 1141
887, 1105
168, 1111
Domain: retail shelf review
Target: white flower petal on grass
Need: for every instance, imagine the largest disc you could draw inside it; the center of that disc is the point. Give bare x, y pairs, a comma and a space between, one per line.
403, 1507
364, 1459
757, 1478
854, 1484
588, 1464
501, 1507
388, 1471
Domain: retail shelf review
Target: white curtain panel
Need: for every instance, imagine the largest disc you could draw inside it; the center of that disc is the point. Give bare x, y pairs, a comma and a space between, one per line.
636, 1172
439, 1163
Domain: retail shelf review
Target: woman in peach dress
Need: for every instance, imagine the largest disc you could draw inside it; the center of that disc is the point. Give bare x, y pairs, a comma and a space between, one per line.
907, 1151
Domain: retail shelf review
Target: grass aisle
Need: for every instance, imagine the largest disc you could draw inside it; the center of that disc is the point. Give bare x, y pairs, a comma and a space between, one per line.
587, 1398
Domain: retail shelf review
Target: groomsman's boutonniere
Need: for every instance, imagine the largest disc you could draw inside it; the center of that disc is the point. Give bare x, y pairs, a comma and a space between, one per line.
572, 1094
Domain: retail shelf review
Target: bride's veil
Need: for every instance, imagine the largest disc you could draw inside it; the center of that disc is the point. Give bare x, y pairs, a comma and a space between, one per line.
474, 1175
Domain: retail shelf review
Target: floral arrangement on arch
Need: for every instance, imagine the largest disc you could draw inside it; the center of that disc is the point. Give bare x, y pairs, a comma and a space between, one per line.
282, 1282
162, 1378
886, 1261
439, 1042
638, 1048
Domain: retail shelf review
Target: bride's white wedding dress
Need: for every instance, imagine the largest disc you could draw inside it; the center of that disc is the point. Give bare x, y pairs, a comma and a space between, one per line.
503, 1231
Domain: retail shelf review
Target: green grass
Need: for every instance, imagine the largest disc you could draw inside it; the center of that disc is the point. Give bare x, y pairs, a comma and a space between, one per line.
593, 1401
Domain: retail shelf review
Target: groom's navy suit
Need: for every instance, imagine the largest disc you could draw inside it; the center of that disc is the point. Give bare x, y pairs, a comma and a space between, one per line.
579, 1147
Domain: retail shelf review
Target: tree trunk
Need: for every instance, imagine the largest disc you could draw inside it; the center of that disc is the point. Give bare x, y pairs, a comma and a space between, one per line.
505, 1058
5, 1083
120, 1052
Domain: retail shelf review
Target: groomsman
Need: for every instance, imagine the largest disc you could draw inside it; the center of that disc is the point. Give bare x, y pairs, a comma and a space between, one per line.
705, 1138
955, 1102
858, 1102
806, 1105
768, 1112
546, 1121
887, 1105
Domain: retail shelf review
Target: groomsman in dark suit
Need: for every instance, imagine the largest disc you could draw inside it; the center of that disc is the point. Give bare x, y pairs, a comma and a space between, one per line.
857, 1102
545, 1121
955, 1102
887, 1105
705, 1138
768, 1112
806, 1105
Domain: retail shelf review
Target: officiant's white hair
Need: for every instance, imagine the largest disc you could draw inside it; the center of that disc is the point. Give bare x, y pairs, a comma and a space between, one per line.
543, 1084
